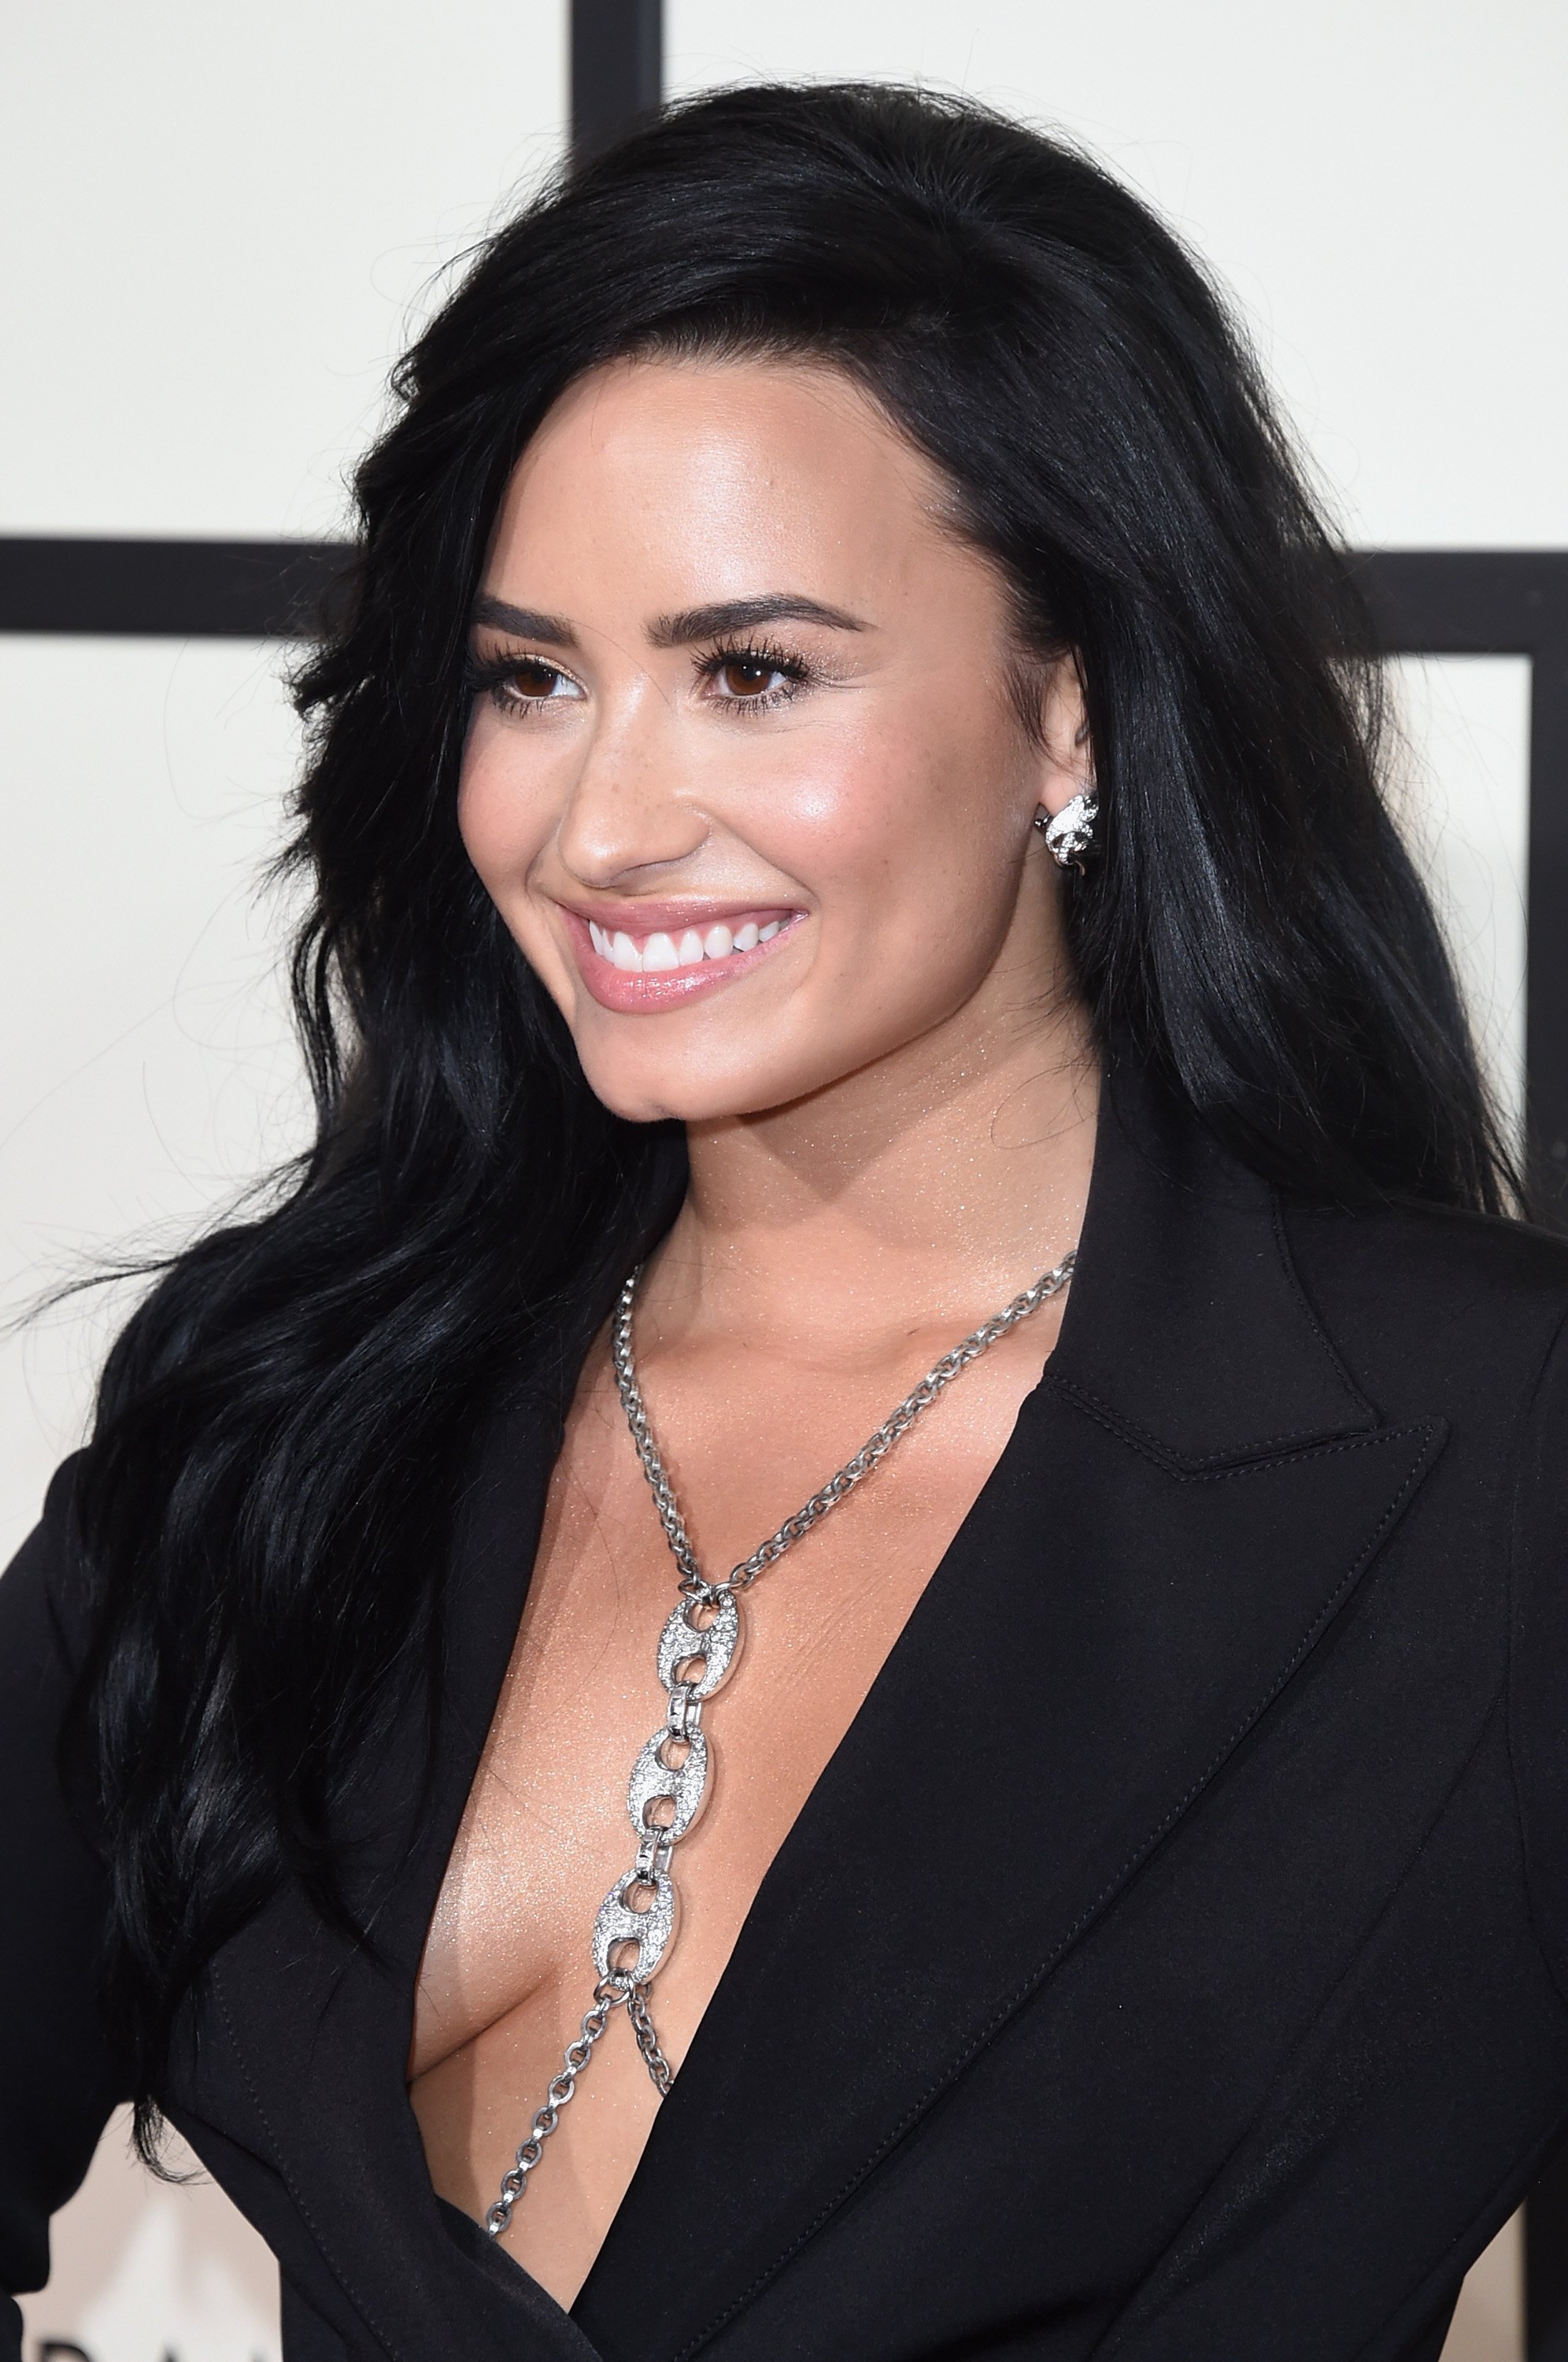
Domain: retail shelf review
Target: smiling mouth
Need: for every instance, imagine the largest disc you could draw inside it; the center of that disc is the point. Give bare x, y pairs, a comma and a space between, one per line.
659, 952
644, 967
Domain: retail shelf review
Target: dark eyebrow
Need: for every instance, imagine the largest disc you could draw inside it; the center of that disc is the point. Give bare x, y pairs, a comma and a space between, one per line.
674, 631
740, 614
524, 623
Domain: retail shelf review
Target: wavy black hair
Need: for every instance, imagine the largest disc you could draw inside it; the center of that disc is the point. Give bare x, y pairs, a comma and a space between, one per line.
265, 1501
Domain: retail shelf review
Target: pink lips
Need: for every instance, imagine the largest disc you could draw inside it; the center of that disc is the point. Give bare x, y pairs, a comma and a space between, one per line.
630, 992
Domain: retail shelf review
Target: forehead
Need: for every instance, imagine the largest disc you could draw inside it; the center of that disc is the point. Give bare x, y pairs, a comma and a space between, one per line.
709, 470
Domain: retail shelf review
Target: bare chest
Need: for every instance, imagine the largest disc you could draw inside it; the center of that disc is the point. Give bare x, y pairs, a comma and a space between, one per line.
507, 1972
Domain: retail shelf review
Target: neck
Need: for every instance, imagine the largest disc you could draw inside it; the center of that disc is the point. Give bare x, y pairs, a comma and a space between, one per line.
931, 1187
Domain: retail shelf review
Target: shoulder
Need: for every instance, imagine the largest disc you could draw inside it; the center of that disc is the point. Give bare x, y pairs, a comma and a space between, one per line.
59, 2073
1421, 1247
46, 1630
45, 1611
1434, 1301
1463, 1317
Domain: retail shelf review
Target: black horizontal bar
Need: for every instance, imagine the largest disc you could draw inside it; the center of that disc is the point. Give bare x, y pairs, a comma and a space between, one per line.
1428, 602
175, 590
1466, 601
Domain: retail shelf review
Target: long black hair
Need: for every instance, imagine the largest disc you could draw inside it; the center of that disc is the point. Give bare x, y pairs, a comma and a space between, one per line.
265, 1500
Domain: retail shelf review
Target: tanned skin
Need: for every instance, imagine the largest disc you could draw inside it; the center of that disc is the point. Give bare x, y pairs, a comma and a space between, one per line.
747, 674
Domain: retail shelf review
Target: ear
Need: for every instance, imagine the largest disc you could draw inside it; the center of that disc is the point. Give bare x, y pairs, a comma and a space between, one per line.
1066, 751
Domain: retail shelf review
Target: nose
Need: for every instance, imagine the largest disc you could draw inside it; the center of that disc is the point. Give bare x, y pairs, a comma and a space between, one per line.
628, 809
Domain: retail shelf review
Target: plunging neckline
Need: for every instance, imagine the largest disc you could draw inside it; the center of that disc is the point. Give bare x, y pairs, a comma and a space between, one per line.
1170, 1541
927, 1606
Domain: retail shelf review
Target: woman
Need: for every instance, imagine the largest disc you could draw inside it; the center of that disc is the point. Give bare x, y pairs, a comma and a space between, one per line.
844, 817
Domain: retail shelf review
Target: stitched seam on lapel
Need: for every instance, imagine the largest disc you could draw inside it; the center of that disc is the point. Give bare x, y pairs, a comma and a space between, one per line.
1230, 1461
1431, 1433
1307, 1311
349, 2290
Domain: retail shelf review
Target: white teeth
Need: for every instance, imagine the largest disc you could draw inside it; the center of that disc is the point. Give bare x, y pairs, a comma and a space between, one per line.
662, 951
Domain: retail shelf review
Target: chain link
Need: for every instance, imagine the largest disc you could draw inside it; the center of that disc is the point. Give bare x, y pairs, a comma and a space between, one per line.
842, 1483
649, 1929
657, 2065
514, 2180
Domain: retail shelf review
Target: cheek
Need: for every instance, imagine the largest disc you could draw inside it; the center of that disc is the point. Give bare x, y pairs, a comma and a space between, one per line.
893, 825
502, 819
834, 819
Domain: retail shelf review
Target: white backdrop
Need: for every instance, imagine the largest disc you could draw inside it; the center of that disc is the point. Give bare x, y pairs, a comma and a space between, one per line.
218, 222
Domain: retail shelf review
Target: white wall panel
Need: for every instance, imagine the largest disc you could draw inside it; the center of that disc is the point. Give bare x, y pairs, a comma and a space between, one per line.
151, 1075
149, 2272
1382, 182
147, 1074
218, 218
1462, 788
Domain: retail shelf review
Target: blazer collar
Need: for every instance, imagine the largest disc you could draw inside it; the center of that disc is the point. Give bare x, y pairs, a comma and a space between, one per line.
1187, 1502
1185, 1324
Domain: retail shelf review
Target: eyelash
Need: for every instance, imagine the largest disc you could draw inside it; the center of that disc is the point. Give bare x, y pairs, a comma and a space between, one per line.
493, 678
772, 658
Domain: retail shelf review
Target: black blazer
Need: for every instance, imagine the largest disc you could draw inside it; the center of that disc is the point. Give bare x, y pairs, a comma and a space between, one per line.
1171, 1962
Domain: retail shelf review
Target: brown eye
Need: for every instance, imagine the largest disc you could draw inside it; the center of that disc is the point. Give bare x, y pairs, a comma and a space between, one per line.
744, 677
532, 678
519, 685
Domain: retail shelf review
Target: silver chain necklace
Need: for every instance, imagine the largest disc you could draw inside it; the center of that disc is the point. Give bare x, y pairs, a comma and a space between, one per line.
630, 1940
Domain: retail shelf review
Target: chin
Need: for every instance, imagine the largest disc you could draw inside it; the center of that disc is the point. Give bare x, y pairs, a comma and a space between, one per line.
647, 1089
680, 1098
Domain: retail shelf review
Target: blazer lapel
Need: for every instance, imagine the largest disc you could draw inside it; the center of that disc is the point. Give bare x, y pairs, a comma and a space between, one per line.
303, 2039
1187, 1501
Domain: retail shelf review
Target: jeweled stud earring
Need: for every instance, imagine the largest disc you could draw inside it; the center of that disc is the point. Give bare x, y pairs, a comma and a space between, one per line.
1070, 832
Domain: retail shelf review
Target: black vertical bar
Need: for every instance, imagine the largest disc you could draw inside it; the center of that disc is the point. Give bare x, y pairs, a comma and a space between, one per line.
1546, 1000
617, 70
1546, 1065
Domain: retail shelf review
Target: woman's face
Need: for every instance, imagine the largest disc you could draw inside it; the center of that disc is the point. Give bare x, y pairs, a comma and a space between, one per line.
744, 776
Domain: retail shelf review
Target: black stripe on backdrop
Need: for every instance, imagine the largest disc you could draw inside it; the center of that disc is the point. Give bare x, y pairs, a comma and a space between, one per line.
1425, 602
173, 590
617, 68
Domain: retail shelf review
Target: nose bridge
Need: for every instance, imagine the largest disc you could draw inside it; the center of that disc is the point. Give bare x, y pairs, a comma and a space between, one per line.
624, 809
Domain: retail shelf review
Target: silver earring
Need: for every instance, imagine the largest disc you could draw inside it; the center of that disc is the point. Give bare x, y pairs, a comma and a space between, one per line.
1071, 833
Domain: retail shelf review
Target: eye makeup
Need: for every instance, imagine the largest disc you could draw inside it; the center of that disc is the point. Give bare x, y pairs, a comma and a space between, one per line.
757, 656
498, 676
750, 661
